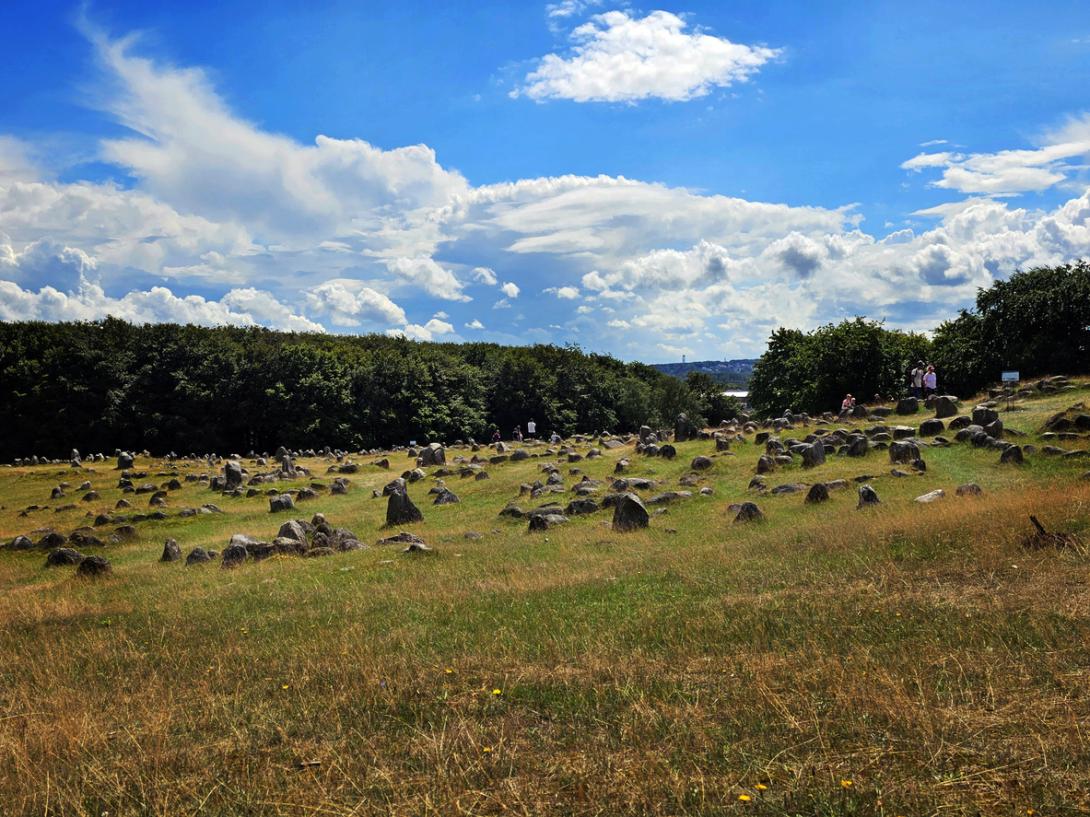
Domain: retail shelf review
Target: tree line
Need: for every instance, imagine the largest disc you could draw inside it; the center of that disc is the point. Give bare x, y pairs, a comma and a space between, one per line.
1037, 322
165, 387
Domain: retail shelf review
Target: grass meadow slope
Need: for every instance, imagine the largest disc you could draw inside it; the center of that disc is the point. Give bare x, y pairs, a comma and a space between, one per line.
906, 659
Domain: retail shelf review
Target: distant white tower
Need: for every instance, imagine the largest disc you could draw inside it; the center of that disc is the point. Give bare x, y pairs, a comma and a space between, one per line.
683, 358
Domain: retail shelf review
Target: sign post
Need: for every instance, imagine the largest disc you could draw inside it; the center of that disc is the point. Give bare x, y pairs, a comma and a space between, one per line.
1010, 379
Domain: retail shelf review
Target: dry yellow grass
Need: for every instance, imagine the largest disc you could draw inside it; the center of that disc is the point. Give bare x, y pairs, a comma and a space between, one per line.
905, 660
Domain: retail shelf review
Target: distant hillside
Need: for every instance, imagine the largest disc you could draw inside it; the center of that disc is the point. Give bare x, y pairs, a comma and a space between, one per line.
732, 372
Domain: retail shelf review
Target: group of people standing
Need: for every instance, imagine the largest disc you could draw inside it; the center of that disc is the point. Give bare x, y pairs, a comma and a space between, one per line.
923, 381
517, 436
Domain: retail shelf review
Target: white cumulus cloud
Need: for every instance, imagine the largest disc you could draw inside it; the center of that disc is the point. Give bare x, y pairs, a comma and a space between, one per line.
617, 57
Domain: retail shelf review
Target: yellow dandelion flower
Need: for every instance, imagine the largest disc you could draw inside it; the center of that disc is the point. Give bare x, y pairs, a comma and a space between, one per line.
745, 798
487, 750
761, 787
449, 671
846, 784
1030, 812
285, 686
497, 691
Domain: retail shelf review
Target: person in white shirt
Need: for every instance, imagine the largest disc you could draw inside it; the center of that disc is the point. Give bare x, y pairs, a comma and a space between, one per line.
917, 379
531, 428
930, 382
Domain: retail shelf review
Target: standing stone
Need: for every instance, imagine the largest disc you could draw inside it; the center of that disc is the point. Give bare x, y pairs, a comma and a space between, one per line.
908, 405
287, 467
813, 454
293, 529
124, 461
232, 475
969, 489
433, 454
684, 428
858, 446
400, 509
1012, 455
283, 502
818, 493
867, 496
701, 463
946, 405
197, 556
233, 555
629, 513
904, 452
765, 464
983, 415
171, 551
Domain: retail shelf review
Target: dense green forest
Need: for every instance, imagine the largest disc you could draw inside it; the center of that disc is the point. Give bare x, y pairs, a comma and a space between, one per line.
1036, 322
110, 384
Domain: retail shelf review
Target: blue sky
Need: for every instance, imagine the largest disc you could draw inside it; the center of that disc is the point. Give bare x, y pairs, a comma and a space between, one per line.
649, 181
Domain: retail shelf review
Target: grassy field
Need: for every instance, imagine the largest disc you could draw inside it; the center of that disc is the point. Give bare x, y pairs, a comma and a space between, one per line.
902, 660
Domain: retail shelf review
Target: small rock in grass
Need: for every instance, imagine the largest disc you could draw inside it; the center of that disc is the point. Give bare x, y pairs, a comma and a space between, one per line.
93, 567
867, 497
749, 512
931, 496
63, 556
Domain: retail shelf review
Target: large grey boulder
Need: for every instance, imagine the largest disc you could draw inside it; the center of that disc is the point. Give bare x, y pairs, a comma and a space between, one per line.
858, 446
293, 529
433, 454
813, 454
282, 502
946, 405
232, 475
400, 510
904, 451
629, 513
983, 415
929, 428
908, 405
